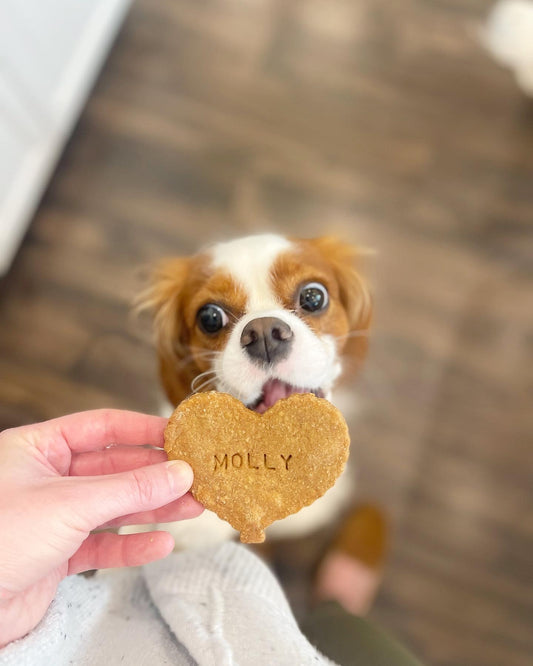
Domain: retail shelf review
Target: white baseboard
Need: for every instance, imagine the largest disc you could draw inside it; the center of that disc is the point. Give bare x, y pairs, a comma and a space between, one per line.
28, 184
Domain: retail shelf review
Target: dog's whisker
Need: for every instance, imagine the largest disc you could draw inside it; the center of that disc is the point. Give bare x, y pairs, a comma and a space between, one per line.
203, 380
361, 333
210, 383
202, 387
184, 361
202, 350
198, 354
205, 355
191, 358
204, 375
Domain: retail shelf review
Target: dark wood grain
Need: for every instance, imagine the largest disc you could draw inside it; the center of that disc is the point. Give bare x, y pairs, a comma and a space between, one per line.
383, 121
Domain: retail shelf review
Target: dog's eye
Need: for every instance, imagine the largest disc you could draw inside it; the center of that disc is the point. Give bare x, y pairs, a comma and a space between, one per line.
211, 318
313, 297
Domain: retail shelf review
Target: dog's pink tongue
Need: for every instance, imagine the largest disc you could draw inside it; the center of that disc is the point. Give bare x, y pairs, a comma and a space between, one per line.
273, 391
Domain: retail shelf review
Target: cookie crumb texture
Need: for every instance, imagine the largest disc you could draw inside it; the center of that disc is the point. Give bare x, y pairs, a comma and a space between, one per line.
253, 469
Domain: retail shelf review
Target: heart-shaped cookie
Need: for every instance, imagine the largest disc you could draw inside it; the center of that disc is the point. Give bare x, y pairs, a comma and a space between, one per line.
252, 469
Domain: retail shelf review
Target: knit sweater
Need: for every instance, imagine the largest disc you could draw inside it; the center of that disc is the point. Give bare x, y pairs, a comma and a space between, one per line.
215, 607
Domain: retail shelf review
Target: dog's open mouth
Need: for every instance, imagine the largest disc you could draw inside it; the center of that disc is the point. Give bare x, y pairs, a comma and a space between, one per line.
274, 390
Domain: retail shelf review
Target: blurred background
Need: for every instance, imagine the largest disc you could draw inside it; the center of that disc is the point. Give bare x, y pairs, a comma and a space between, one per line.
383, 121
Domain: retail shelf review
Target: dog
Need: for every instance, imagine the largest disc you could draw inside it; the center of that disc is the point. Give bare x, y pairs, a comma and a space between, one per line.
260, 317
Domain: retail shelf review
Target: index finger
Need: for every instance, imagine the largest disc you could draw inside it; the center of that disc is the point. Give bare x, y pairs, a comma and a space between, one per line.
99, 428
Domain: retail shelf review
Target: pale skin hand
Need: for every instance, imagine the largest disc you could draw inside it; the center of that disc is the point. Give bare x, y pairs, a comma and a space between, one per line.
64, 478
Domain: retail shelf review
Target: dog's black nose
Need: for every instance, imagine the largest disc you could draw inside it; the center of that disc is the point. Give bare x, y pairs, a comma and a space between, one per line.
267, 339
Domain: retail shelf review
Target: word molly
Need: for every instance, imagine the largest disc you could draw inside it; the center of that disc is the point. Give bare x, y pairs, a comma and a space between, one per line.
252, 461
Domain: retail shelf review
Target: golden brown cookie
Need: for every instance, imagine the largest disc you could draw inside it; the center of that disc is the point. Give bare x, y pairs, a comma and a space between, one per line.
253, 469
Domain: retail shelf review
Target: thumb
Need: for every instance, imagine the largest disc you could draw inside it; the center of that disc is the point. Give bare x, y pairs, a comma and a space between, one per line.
99, 499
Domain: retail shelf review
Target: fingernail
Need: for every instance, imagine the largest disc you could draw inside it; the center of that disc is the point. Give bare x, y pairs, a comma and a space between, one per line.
180, 474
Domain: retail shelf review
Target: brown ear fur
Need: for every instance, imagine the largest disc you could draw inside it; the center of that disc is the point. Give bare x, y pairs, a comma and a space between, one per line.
164, 299
354, 293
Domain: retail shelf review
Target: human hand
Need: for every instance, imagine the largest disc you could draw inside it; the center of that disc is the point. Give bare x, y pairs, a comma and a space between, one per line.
64, 478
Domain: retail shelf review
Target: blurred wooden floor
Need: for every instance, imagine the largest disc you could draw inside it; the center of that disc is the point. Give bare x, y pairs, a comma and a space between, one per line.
381, 120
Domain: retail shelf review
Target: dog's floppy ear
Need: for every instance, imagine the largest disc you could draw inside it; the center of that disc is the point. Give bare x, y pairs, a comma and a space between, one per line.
164, 299
353, 289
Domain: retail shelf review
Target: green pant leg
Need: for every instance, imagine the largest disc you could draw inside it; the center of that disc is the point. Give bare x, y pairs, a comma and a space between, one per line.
352, 641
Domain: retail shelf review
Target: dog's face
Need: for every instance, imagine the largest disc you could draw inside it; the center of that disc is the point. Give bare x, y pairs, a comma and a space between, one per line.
260, 317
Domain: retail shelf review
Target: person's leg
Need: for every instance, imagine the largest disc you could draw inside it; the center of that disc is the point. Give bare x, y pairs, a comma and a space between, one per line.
350, 571
352, 641
346, 584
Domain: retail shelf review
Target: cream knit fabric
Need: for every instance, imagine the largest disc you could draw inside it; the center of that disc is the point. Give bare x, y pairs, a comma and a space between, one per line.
215, 607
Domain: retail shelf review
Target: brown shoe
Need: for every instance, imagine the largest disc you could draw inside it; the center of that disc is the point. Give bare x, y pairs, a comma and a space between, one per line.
351, 569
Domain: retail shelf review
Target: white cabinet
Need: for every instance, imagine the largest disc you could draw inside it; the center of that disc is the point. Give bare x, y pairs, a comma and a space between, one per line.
50, 53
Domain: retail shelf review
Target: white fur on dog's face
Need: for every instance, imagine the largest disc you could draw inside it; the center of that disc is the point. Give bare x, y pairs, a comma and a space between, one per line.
312, 364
